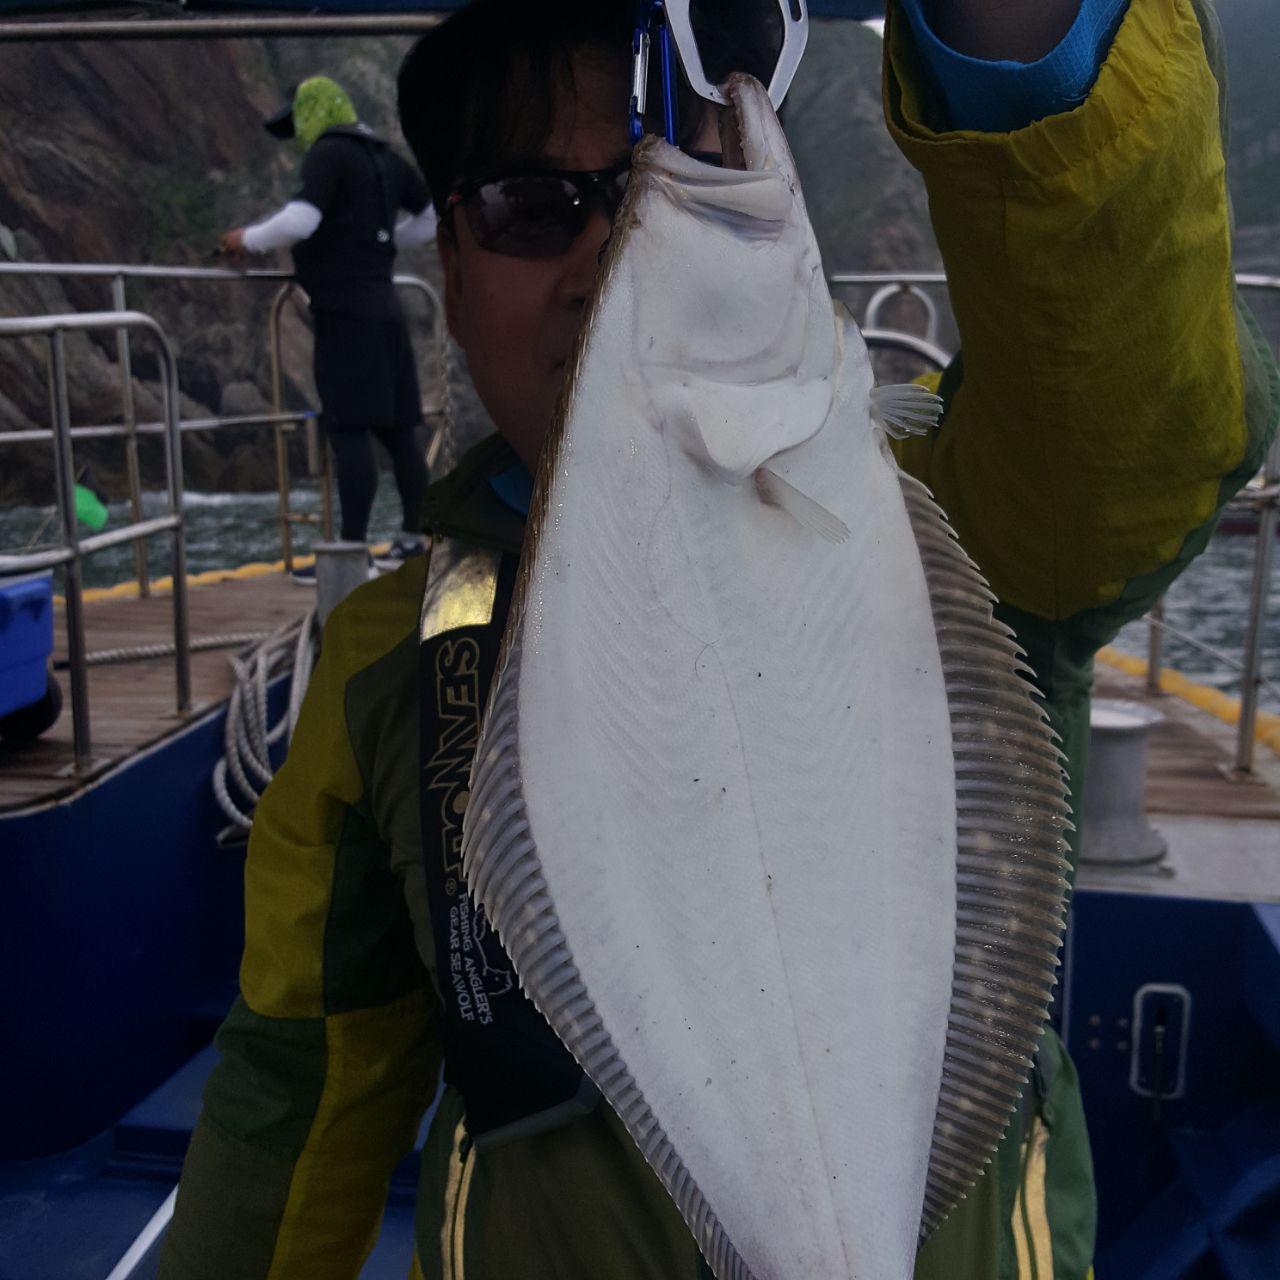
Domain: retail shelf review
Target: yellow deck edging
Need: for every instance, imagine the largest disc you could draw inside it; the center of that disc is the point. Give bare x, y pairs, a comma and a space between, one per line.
1214, 701
129, 590
159, 586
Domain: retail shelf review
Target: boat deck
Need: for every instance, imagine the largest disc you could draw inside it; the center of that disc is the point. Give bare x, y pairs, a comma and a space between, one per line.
133, 704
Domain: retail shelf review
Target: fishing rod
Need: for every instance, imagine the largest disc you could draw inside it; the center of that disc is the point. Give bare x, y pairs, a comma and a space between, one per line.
668, 27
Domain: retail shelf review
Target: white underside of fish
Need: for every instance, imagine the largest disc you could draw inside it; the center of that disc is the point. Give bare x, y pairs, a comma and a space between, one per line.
719, 811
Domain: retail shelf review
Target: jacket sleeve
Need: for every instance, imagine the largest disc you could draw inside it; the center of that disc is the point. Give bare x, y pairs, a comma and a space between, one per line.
331, 1054
1111, 390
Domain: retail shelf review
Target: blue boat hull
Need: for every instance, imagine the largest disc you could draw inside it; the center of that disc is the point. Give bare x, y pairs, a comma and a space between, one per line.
121, 925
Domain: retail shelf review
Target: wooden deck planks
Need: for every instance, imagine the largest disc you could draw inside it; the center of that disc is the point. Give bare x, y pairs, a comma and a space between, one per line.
134, 704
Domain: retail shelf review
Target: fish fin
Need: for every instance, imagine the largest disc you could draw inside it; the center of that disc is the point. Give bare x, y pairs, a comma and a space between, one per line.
776, 492
905, 409
1012, 816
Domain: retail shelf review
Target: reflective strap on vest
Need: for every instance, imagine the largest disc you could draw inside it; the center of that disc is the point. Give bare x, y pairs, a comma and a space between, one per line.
1033, 1239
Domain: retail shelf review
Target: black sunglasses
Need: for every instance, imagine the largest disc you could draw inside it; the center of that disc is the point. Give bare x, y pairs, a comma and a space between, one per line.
540, 213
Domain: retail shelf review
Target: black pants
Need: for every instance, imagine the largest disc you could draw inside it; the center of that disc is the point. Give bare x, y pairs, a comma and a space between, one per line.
368, 386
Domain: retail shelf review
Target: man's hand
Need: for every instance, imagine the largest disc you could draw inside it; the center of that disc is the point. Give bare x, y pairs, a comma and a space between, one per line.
231, 245
999, 30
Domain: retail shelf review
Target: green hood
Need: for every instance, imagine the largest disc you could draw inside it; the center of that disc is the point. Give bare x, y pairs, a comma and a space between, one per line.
319, 104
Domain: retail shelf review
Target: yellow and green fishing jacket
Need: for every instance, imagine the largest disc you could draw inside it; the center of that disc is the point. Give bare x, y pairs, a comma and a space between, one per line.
1112, 394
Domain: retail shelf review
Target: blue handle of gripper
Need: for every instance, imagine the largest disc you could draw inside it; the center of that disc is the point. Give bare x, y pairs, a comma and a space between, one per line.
650, 16
636, 122
669, 117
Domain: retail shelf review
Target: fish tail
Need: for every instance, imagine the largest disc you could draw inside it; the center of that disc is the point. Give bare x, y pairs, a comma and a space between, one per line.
811, 515
905, 409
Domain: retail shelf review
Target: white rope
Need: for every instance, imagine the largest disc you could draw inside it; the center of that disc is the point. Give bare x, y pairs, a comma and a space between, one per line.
105, 657
245, 769
304, 659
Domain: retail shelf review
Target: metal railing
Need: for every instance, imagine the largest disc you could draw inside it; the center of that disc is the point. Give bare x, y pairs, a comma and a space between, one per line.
907, 344
887, 292
280, 420
74, 548
887, 287
1264, 499
1268, 503
154, 27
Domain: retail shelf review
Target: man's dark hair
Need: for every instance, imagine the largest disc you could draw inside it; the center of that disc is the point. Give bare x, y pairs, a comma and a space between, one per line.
477, 94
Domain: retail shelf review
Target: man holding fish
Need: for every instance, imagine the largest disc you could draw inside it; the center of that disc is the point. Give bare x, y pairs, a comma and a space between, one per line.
1112, 395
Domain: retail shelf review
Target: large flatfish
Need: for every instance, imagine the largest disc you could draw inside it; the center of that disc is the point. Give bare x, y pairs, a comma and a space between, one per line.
764, 810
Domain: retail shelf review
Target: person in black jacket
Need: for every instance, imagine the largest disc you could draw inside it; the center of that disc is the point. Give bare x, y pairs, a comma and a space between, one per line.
343, 227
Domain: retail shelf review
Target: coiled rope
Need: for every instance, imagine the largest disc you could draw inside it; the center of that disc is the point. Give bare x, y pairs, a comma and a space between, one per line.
248, 737
106, 657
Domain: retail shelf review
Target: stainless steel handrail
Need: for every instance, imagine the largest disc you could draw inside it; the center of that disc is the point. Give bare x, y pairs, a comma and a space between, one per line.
898, 340
1161, 624
220, 28
886, 277
887, 292
1268, 503
119, 274
51, 557
124, 361
1252, 679
75, 548
275, 310
120, 431
136, 271
281, 421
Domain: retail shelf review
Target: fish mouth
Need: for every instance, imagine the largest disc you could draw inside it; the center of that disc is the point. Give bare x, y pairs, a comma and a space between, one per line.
754, 187
751, 136
732, 124
742, 133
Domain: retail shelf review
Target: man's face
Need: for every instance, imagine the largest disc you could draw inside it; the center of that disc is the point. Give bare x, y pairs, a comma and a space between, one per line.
517, 318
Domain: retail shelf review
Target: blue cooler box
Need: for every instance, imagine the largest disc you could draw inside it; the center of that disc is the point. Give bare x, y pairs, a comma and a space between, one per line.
26, 639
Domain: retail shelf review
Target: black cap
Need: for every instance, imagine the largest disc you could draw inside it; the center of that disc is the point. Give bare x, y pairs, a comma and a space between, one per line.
280, 125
